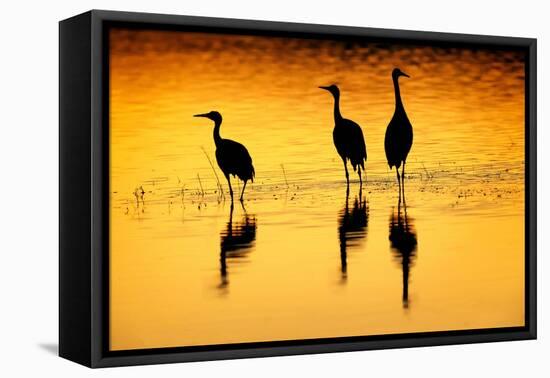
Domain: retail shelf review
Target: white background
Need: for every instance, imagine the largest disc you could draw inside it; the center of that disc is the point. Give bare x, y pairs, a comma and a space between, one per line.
29, 186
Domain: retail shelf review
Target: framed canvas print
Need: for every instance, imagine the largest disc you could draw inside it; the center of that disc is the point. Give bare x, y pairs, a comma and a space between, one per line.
234, 188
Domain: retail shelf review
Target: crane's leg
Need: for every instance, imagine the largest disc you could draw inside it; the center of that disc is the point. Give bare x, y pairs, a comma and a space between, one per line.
346, 168
242, 193
360, 178
403, 180
230, 188
399, 182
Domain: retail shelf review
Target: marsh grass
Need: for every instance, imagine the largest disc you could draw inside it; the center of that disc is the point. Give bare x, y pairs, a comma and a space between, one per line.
221, 194
456, 183
284, 175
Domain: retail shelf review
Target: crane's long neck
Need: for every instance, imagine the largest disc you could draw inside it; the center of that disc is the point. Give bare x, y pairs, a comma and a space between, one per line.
217, 137
337, 114
398, 102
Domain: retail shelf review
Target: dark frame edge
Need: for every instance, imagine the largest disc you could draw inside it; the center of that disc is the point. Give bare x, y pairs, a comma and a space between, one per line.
96, 357
100, 191
229, 354
305, 28
531, 182
75, 333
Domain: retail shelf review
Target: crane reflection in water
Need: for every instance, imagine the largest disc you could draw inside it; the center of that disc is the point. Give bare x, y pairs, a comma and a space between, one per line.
236, 241
403, 244
352, 229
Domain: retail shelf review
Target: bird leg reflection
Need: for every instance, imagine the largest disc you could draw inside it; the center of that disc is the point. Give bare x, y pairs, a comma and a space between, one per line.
403, 244
236, 241
352, 229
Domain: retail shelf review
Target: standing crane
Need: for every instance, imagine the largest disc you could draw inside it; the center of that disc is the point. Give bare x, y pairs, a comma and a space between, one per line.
399, 134
348, 138
232, 157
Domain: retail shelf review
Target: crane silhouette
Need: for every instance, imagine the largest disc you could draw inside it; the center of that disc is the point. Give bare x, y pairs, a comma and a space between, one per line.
399, 134
232, 157
348, 138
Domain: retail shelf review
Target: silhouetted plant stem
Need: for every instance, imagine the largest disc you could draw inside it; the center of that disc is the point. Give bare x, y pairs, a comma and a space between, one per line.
200, 184
219, 185
284, 174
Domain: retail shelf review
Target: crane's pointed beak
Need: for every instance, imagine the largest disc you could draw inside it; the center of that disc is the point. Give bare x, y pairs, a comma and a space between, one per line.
325, 88
404, 74
201, 115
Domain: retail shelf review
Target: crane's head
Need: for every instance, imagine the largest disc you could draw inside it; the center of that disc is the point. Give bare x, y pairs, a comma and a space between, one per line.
397, 72
332, 89
213, 115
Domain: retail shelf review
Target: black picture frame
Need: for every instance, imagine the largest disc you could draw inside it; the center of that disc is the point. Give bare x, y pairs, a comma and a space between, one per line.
84, 191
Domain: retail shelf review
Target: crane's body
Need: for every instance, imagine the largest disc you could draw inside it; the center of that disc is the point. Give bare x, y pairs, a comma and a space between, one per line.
399, 139
348, 138
350, 143
399, 134
232, 157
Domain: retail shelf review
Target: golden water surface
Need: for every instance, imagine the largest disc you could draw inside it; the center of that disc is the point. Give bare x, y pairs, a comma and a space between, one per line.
300, 260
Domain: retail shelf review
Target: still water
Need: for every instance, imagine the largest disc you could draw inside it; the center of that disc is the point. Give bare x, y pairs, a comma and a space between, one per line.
301, 259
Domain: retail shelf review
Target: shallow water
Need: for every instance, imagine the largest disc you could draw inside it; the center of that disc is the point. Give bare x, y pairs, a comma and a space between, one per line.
300, 260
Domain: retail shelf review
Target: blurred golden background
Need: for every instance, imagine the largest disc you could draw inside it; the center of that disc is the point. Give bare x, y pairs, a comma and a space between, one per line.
300, 260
